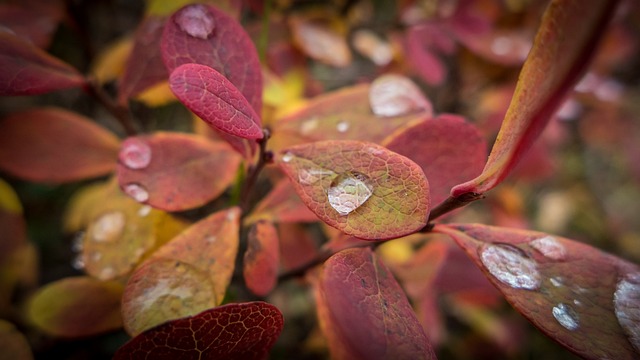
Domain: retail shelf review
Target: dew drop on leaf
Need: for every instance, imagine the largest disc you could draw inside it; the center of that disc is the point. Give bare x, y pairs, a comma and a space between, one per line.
509, 265
342, 126
78, 262
566, 316
144, 210
313, 175
135, 154
107, 273
108, 227
395, 95
556, 281
550, 247
196, 20
137, 192
626, 301
349, 191
287, 157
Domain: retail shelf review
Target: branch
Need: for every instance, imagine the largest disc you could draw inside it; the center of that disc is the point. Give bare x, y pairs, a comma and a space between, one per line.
452, 203
265, 157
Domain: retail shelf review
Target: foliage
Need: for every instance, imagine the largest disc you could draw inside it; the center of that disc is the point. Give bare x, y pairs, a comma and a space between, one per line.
331, 144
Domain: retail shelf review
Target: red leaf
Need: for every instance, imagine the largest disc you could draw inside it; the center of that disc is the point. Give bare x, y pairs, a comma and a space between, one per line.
173, 171
583, 298
262, 258
563, 48
234, 331
34, 21
28, 70
55, 145
203, 35
297, 246
364, 313
360, 188
144, 67
213, 98
281, 204
447, 148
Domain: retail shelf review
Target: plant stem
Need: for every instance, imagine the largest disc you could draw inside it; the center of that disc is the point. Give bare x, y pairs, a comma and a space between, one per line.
264, 157
121, 113
452, 203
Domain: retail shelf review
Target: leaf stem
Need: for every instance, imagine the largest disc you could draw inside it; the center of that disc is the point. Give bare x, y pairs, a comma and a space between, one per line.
450, 204
121, 113
264, 157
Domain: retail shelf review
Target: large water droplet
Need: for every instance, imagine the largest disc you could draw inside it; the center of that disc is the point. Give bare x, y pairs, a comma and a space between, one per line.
550, 247
135, 154
108, 227
196, 20
349, 191
509, 265
566, 316
395, 95
137, 192
626, 301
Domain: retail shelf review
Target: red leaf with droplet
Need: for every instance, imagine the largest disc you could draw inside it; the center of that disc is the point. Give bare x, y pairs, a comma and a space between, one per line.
585, 299
562, 50
235, 331
77, 306
360, 188
144, 67
202, 34
281, 204
55, 145
28, 70
173, 171
215, 100
448, 149
364, 312
262, 258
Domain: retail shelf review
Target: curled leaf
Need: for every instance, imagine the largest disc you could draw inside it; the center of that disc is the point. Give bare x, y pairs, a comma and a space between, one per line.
360, 188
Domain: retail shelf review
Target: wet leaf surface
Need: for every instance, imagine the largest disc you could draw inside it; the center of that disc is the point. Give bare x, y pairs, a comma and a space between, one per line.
262, 258
77, 306
144, 67
215, 100
173, 171
364, 313
561, 52
234, 331
28, 70
202, 34
585, 299
448, 149
360, 188
54, 145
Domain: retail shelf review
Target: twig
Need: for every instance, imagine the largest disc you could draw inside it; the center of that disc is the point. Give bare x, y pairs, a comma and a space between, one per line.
450, 204
265, 157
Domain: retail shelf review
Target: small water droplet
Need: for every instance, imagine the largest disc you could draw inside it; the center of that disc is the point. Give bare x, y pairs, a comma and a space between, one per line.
137, 192
556, 281
550, 247
78, 242
108, 226
509, 265
196, 20
312, 176
210, 239
342, 126
232, 216
626, 302
566, 316
501, 45
107, 273
349, 191
144, 210
287, 157
308, 126
78, 262
577, 302
135, 154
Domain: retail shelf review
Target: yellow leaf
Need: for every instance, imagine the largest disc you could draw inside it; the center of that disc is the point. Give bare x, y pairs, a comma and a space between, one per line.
111, 61
8, 199
157, 95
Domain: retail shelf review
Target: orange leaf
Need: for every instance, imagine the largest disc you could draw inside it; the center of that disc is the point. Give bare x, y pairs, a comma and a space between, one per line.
262, 258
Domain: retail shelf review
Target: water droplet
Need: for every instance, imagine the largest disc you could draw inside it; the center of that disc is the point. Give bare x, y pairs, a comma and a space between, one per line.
108, 226
196, 20
144, 210
308, 126
349, 191
556, 281
135, 154
312, 176
342, 126
626, 302
78, 242
550, 247
287, 157
395, 95
78, 262
137, 192
577, 302
501, 45
509, 265
566, 316
107, 273
210, 239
